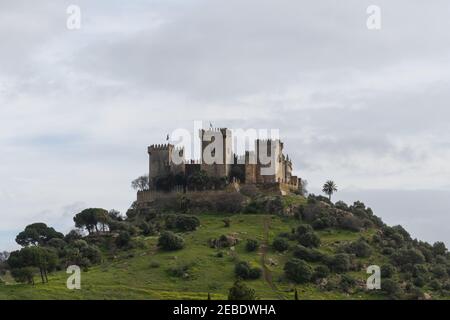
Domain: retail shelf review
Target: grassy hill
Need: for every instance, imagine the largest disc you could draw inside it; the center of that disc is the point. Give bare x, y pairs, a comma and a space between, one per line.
144, 271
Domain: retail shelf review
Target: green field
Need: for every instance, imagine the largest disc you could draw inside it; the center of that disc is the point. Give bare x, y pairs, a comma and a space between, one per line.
142, 273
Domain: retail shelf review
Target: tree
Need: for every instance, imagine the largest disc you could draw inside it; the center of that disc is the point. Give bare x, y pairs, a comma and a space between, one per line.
141, 183
298, 270
45, 259
23, 275
329, 188
244, 271
280, 244
123, 240
251, 245
90, 218
303, 187
37, 234
198, 180
170, 241
306, 236
239, 291
339, 262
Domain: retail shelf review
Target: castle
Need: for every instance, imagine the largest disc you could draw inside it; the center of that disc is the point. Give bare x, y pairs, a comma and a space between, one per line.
266, 165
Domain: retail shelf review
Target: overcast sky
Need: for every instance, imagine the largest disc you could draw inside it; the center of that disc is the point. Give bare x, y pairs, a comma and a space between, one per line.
366, 108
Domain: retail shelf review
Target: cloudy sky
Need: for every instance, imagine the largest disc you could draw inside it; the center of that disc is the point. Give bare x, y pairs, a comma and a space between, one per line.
367, 108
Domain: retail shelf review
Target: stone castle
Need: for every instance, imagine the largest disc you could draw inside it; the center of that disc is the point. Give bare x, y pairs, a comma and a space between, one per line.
266, 165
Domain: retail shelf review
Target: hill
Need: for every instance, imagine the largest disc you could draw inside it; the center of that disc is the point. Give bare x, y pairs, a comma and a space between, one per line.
334, 243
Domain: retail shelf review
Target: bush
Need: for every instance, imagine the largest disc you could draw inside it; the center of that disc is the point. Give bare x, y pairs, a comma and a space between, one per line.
182, 222
347, 282
339, 263
307, 237
309, 240
350, 223
435, 285
92, 253
387, 270
244, 271
419, 281
310, 255
180, 271
391, 288
170, 241
251, 245
239, 291
280, 244
23, 275
405, 257
147, 228
123, 240
359, 248
154, 264
298, 270
439, 248
439, 271
321, 272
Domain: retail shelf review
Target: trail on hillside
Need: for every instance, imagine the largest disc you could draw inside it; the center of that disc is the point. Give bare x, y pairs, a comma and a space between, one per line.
267, 274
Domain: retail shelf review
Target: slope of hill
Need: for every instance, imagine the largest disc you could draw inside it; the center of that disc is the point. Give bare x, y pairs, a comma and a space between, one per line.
348, 244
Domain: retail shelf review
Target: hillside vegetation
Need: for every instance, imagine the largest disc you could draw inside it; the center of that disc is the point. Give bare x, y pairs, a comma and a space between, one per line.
278, 246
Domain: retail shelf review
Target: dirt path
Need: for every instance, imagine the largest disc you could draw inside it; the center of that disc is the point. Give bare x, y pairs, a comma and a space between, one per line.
267, 274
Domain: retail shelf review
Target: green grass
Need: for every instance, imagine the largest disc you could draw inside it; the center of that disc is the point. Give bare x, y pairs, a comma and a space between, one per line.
133, 275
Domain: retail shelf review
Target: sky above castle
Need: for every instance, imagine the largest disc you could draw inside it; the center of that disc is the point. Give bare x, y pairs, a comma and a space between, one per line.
366, 108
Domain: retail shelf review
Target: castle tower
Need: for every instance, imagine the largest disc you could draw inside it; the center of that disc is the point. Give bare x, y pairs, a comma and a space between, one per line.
269, 155
161, 161
217, 151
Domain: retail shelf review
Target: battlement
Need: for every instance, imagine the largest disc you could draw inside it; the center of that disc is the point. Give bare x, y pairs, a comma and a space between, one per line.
164, 146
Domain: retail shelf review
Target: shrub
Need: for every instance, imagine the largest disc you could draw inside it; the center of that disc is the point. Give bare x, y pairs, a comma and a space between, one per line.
274, 206
154, 264
92, 253
170, 241
306, 236
341, 205
239, 291
339, 262
123, 240
226, 222
347, 282
435, 285
298, 270
243, 270
387, 270
359, 248
439, 248
180, 271
419, 281
182, 222
23, 275
405, 257
439, 271
280, 244
309, 239
251, 245
350, 223
391, 288
147, 228
321, 271
310, 255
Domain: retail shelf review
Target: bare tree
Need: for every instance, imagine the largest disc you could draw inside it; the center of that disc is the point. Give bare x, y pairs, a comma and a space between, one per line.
141, 183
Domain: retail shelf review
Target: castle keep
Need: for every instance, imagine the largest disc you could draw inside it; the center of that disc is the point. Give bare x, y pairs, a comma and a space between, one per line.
266, 165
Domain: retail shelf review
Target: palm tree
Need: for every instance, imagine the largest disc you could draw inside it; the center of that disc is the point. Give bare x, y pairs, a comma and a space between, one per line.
329, 188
